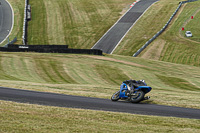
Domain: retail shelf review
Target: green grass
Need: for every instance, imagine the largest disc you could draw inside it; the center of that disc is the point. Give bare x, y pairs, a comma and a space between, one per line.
147, 26
178, 83
192, 24
37, 27
80, 24
184, 50
17, 117
100, 76
76, 23
176, 47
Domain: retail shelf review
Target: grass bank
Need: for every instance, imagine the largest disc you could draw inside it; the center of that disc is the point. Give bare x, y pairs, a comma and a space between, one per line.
16, 117
147, 26
76, 23
172, 45
100, 76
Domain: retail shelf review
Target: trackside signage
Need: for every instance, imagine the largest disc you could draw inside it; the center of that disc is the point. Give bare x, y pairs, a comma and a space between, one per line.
23, 47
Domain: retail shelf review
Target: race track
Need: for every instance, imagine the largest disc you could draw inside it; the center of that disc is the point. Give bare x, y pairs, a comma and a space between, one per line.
117, 32
69, 101
6, 20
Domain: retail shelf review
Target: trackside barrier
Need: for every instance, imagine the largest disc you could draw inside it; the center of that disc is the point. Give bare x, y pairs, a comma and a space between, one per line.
25, 48
24, 36
28, 12
162, 30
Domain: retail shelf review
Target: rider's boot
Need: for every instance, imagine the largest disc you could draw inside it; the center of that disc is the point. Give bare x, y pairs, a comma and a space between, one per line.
146, 98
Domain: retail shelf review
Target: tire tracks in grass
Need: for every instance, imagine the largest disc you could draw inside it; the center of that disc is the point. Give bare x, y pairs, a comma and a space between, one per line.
54, 71
3, 74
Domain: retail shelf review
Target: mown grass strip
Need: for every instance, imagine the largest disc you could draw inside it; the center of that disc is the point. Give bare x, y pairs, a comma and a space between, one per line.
177, 45
37, 27
111, 75
178, 83
76, 23
17, 117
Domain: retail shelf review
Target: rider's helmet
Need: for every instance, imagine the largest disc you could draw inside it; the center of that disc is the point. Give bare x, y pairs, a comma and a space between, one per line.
142, 80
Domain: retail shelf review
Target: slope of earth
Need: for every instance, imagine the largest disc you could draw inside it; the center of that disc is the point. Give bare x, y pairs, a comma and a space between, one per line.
100, 76
76, 23
173, 45
147, 26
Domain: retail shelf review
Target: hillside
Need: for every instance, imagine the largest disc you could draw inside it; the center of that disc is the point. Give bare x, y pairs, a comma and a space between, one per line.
88, 75
80, 24
147, 26
172, 45
100, 76
76, 23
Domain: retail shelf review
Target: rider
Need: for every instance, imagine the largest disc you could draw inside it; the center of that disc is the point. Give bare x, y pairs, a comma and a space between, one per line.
132, 84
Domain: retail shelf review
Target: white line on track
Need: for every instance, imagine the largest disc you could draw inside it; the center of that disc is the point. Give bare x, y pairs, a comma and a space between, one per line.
131, 27
112, 26
12, 22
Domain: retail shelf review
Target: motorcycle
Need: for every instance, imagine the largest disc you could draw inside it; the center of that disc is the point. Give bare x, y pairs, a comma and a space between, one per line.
133, 91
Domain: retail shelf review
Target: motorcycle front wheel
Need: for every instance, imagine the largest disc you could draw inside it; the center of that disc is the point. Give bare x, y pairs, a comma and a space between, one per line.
115, 96
137, 97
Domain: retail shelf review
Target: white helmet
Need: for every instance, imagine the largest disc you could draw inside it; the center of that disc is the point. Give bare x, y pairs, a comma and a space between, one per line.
142, 80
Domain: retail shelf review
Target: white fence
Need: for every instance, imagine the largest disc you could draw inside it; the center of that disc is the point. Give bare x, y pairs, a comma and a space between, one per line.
24, 36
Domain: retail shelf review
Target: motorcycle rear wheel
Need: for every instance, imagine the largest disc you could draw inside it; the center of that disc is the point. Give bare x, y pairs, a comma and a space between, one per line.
139, 96
115, 96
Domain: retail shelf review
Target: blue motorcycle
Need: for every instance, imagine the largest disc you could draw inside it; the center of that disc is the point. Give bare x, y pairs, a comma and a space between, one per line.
133, 91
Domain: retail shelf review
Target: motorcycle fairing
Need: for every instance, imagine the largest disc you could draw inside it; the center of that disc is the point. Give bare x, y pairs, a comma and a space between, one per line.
124, 89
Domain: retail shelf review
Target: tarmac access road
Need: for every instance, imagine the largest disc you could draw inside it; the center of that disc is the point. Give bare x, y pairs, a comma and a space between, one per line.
6, 20
60, 100
111, 39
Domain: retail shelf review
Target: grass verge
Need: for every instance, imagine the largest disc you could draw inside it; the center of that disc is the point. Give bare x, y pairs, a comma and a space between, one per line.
17, 117
174, 45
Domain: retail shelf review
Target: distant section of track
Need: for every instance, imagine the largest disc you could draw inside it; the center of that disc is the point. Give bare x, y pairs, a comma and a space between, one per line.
61, 100
6, 20
117, 32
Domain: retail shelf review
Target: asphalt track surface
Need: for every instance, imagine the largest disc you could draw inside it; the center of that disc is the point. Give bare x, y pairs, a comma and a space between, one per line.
116, 33
6, 20
60, 100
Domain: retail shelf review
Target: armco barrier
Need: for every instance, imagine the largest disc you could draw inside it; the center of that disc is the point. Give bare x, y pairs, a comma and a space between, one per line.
162, 30
53, 50
24, 36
